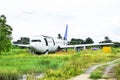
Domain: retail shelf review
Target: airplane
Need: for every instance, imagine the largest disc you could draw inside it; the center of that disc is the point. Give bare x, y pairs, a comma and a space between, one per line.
46, 44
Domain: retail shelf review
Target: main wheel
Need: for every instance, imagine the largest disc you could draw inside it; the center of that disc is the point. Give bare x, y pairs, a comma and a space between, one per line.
32, 51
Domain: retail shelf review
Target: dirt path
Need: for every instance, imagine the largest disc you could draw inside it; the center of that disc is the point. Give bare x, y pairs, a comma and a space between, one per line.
109, 68
109, 72
86, 75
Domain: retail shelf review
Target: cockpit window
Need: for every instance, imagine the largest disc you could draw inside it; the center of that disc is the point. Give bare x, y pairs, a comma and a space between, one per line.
36, 41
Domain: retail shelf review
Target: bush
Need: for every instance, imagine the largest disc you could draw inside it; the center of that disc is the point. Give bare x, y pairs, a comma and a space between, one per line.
117, 72
96, 75
9, 76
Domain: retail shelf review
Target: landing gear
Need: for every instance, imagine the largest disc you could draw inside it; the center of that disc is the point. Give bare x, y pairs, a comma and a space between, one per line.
46, 52
32, 51
77, 49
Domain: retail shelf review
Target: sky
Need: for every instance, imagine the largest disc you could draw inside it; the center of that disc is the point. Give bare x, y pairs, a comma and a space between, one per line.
85, 18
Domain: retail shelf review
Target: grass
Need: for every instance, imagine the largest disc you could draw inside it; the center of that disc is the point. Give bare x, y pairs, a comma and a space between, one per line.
59, 66
24, 62
78, 63
96, 74
99, 72
117, 72
21, 62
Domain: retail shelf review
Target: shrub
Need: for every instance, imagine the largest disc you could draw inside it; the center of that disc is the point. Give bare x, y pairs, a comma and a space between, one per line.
96, 75
9, 76
117, 72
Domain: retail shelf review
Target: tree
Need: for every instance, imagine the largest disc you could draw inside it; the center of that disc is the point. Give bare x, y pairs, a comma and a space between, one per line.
106, 40
5, 35
22, 40
89, 41
25, 40
76, 41
116, 44
59, 36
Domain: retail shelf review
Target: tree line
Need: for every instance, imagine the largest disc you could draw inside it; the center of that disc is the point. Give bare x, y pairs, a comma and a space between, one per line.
81, 41
22, 40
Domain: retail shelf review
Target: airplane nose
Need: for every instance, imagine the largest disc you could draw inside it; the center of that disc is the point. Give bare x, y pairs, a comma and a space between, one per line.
38, 47
35, 46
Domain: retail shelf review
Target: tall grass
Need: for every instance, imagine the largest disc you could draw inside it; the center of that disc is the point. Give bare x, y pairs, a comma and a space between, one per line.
21, 62
117, 72
78, 63
59, 66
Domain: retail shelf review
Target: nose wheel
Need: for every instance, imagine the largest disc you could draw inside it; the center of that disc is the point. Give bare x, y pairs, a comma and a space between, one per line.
46, 52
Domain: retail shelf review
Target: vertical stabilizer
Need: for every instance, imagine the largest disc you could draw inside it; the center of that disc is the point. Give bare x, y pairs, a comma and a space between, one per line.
66, 32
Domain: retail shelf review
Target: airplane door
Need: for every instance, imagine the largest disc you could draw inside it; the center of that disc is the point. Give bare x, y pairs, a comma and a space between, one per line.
50, 44
53, 42
46, 42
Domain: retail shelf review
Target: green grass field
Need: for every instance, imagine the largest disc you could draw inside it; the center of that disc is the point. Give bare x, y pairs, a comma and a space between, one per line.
117, 72
58, 66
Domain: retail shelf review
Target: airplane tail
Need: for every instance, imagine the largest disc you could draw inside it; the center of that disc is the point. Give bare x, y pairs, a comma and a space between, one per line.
66, 32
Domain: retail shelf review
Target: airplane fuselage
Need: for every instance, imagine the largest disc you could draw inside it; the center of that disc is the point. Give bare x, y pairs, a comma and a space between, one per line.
44, 44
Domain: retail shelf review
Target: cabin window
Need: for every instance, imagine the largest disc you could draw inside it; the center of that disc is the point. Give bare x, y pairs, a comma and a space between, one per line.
36, 41
46, 41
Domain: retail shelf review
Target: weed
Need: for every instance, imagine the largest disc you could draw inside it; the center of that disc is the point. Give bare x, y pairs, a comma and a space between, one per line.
9, 76
117, 72
96, 75
60, 66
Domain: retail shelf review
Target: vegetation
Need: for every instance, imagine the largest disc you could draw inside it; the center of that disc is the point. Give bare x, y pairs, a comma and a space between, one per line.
5, 35
89, 41
96, 74
22, 40
116, 44
117, 72
76, 41
62, 65
106, 40
81, 41
99, 73
59, 36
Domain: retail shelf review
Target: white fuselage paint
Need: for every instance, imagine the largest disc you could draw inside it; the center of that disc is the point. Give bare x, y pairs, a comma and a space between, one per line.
43, 44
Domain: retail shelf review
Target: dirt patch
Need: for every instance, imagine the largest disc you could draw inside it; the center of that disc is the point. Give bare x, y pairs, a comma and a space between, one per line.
107, 71
82, 77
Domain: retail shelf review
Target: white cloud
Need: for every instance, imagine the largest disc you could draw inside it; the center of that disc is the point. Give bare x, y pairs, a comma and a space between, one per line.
86, 18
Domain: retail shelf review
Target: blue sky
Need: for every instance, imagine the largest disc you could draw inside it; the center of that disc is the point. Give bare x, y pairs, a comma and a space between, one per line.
85, 18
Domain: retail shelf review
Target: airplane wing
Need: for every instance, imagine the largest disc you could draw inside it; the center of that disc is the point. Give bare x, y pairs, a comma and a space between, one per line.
84, 45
